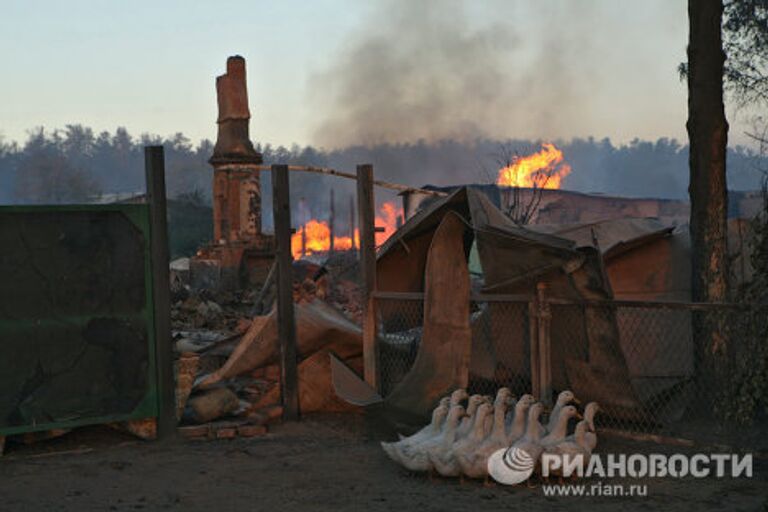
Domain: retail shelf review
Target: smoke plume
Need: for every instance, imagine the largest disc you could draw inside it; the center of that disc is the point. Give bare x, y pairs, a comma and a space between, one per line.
427, 70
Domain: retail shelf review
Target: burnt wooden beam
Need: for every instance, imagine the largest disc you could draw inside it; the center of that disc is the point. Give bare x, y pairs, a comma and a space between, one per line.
154, 167
352, 222
367, 218
533, 342
332, 223
378, 183
544, 315
286, 323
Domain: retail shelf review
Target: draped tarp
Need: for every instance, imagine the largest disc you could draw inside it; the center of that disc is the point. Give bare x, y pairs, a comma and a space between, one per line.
442, 363
646, 259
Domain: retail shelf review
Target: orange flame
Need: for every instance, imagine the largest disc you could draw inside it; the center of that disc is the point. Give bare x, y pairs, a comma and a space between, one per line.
387, 219
544, 169
316, 234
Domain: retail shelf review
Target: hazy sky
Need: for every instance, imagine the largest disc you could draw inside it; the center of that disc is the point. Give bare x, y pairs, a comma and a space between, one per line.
576, 68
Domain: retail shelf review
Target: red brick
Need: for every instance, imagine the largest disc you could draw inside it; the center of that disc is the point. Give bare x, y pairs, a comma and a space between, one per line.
194, 432
226, 433
251, 430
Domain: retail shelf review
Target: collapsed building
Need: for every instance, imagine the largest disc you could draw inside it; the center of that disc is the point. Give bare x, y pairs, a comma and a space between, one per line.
478, 273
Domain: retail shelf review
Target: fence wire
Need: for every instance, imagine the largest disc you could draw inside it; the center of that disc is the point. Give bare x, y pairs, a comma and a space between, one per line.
674, 370
654, 368
400, 329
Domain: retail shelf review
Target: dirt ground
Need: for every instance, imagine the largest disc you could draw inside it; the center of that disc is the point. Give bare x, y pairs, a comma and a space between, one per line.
329, 463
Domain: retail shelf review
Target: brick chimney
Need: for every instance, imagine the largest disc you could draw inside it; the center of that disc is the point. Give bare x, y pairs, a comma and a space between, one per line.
236, 184
240, 254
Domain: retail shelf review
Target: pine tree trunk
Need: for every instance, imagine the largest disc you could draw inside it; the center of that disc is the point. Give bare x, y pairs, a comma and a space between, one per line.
708, 135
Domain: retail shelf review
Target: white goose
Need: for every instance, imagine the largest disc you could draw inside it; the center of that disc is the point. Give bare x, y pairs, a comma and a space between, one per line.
558, 434
580, 443
563, 399
517, 428
467, 446
530, 443
590, 410
407, 444
467, 422
427, 430
454, 398
502, 395
445, 460
437, 447
475, 464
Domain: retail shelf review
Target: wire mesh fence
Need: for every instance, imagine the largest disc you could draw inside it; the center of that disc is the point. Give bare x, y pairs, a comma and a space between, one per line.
500, 343
400, 329
674, 369
501, 349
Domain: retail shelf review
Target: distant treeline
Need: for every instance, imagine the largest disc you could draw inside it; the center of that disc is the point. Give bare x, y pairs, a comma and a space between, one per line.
75, 165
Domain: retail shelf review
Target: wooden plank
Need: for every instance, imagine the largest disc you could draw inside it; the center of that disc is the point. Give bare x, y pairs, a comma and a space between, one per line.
332, 224
286, 323
695, 306
352, 222
367, 216
502, 297
379, 294
259, 305
545, 360
154, 166
533, 343
398, 295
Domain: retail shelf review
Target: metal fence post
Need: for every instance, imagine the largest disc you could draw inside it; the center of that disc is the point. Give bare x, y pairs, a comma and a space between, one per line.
154, 167
367, 218
533, 343
286, 325
545, 361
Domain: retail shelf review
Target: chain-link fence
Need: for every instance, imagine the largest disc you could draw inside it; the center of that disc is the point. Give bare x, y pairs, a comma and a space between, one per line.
500, 343
400, 328
501, 348
674, 369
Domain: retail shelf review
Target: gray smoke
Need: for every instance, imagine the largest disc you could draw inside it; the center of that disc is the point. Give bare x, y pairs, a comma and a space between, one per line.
427, 70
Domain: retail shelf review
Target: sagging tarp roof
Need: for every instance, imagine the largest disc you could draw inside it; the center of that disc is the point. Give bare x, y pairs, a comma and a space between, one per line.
509, 254
611, 237
647, 259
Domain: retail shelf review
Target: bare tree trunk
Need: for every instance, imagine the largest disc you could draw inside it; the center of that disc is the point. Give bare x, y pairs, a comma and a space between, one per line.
708, 135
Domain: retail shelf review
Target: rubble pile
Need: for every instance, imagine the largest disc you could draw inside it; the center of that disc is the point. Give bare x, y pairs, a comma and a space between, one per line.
227, 350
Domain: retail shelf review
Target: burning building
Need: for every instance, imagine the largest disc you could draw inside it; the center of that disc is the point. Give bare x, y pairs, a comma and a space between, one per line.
529, 189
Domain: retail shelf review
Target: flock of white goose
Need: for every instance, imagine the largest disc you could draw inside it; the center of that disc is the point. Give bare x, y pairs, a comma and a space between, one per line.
460, 439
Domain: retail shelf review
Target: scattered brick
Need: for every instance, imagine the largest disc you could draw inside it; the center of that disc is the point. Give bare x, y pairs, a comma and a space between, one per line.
251, 430
226, 433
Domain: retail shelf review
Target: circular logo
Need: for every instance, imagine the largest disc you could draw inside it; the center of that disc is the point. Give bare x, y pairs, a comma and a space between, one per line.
510, 466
